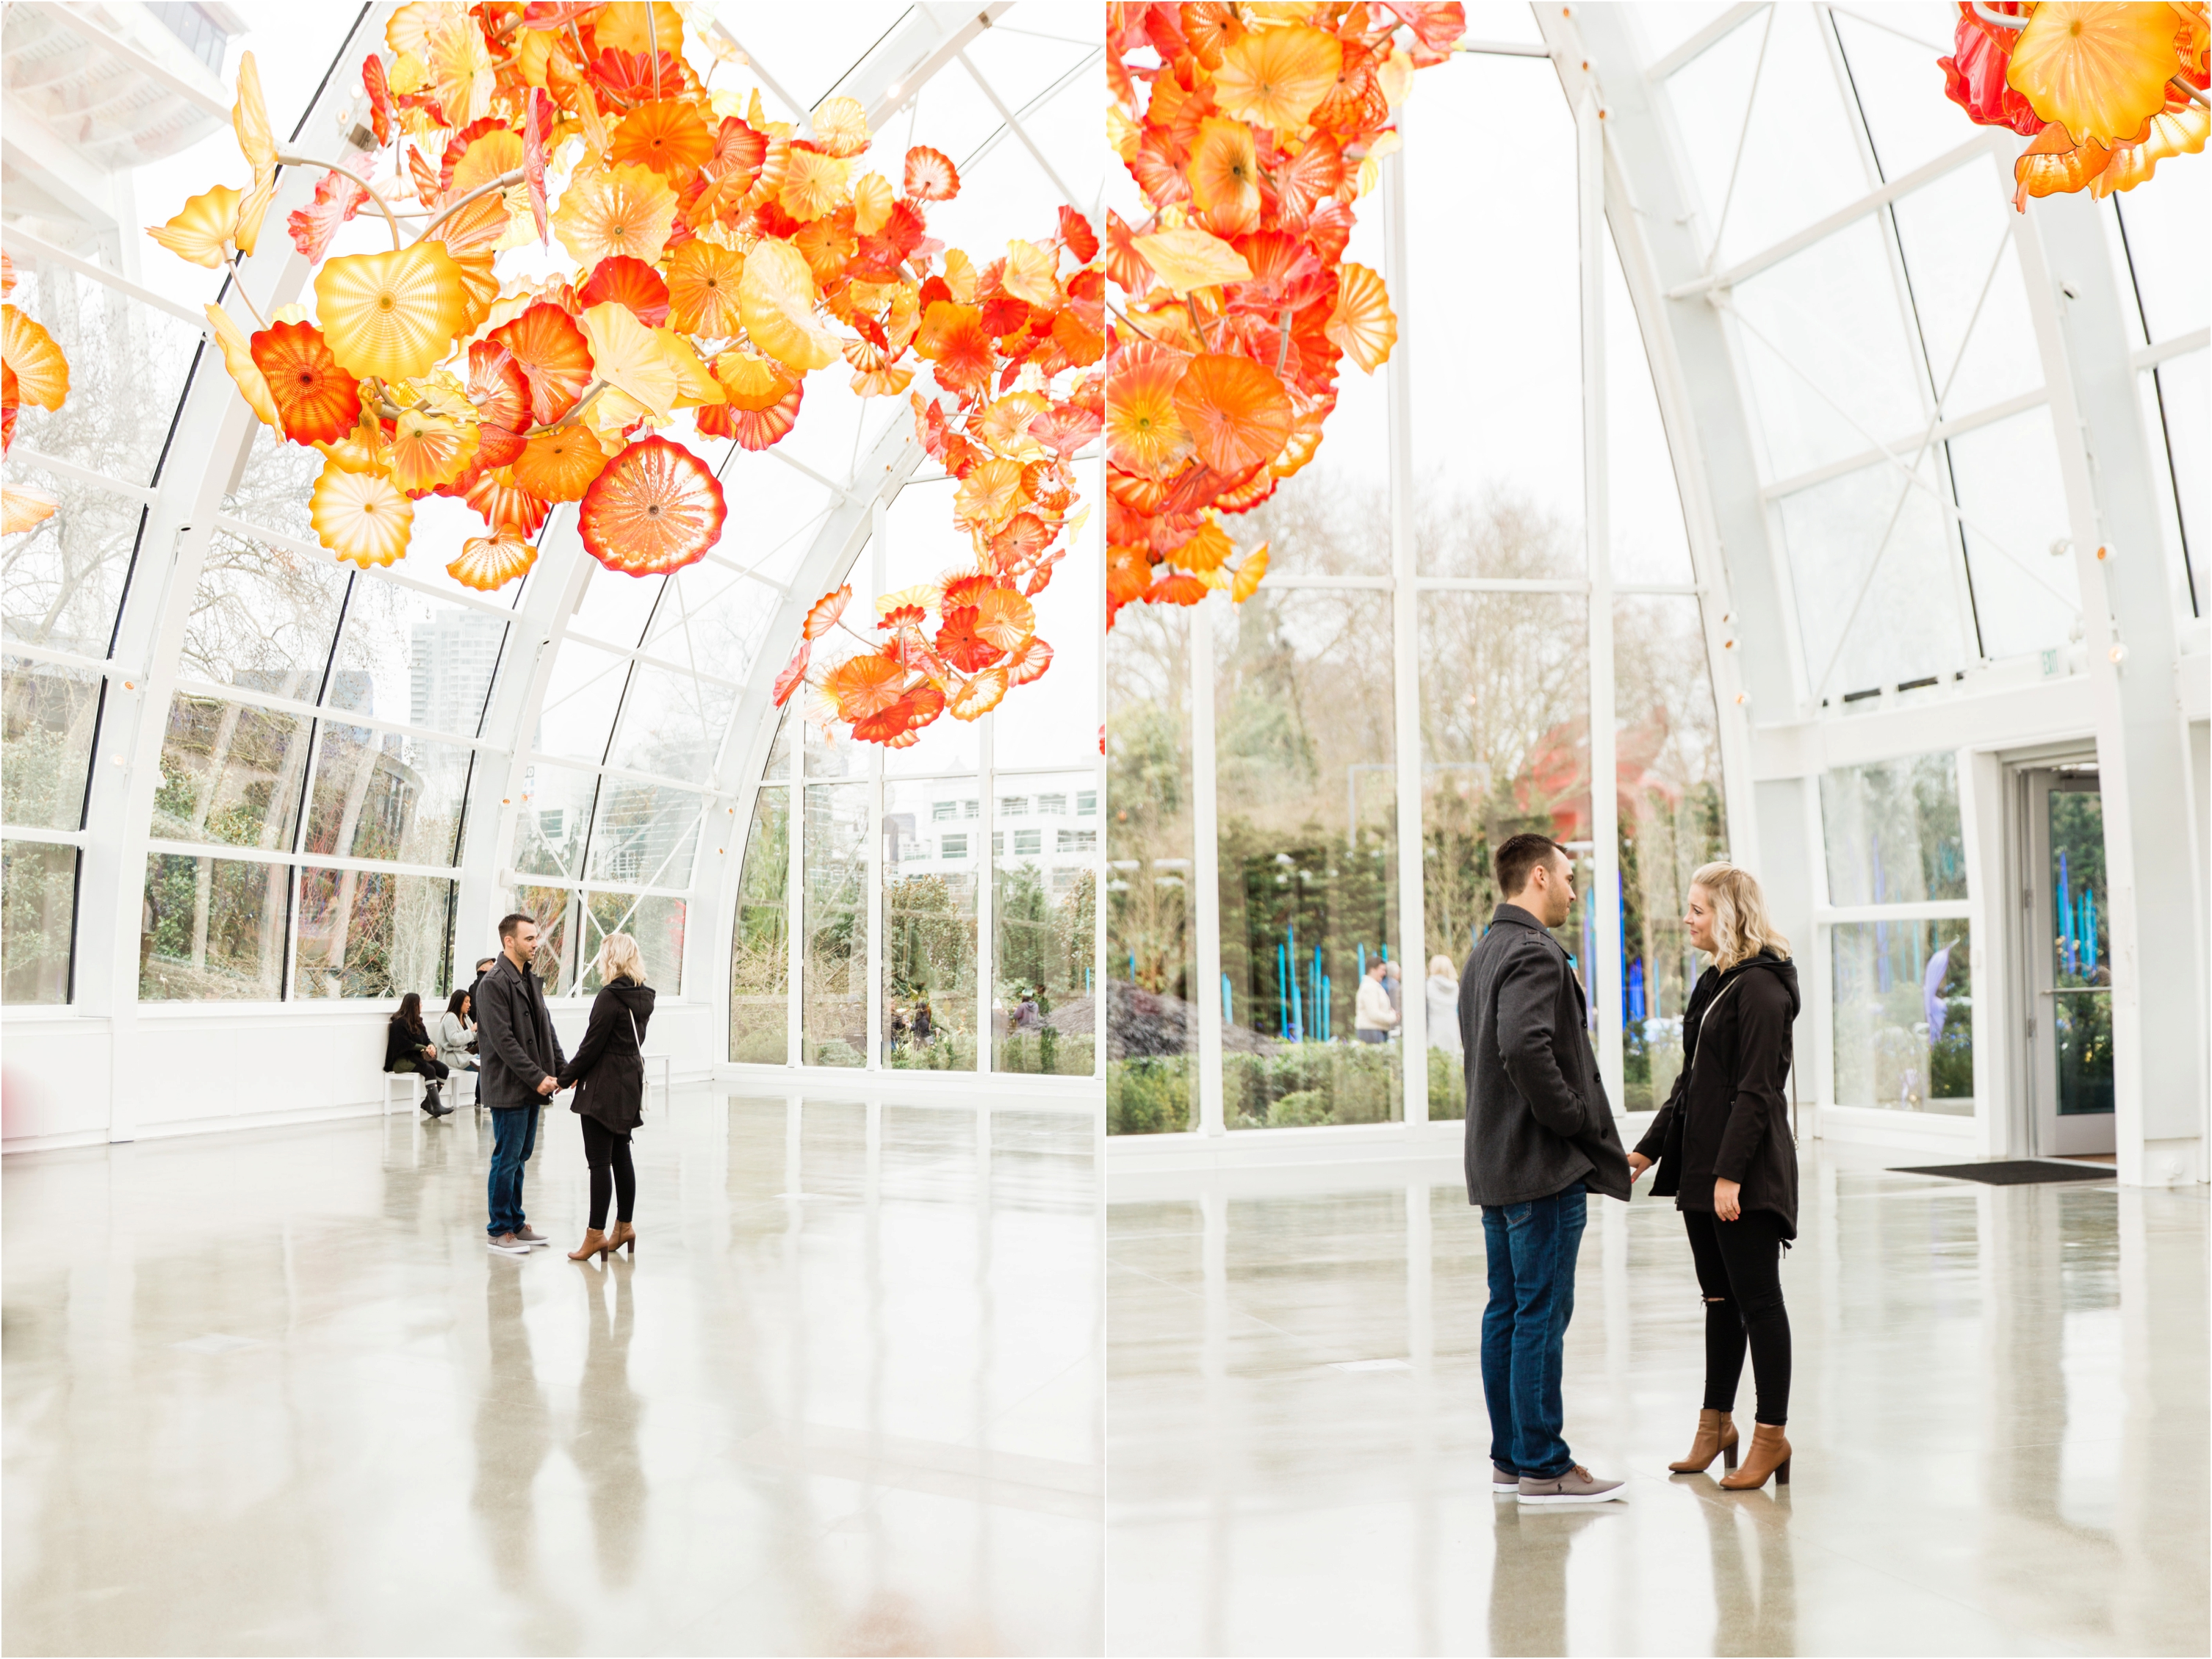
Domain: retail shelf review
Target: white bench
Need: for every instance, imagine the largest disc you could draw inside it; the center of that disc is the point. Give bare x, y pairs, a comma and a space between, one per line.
414, 1082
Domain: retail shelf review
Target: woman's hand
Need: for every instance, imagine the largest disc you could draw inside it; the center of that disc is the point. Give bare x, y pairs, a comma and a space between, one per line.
1637, 1163
1725, 1194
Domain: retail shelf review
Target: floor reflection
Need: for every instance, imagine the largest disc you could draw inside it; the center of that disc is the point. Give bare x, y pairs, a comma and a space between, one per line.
268, 1392
1997, 1422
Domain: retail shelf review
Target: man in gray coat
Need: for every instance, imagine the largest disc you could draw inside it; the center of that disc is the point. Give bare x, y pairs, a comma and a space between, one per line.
519, 1060
1539, 1138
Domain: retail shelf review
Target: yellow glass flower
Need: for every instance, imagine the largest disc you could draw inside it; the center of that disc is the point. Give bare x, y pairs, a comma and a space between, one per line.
1224, 175
361, 516
1363, 325
41, 372
702, 288
1274, 77
1192, 259
202, 228
776, 301
2178, 129
391, 315
814, 185
20, 509
626, 209
752, 382
2099, 70
626, 355
841, 126
872, 203
490, 562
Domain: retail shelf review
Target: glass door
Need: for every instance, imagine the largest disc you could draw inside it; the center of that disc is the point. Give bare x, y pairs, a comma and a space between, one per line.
2069, 968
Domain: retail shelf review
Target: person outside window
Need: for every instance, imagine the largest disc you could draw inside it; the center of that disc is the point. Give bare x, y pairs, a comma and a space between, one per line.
1372, 1015
408, 1047
520, 1056
1441, 992
1540, 1139
1724, 1152
608, 1074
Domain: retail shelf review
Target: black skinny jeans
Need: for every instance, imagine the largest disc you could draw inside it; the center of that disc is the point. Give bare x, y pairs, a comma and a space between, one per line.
612, 1173
1739, 1274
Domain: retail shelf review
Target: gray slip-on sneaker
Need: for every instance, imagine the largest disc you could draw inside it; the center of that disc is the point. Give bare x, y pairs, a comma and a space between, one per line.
528, 1236
507, 1244
1577, 1485
1503, 1481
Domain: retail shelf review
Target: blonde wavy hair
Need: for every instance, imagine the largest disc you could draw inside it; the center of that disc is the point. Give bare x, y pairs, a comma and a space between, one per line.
1741, 926
618, 959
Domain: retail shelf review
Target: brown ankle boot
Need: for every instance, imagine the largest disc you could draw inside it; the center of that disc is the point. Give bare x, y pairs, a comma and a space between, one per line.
1716, 1437
1769, 1454
624, 1236
595, 1243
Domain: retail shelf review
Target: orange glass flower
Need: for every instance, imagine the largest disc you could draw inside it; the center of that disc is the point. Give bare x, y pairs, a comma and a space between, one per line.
41, 373
505, 505
490, 562
629, 282
655, 508
316, 402
1224, 175
702, 288
2100, 70
1274, 77
202, 228
1237, 413
754, 429
555, 357
1362, 324
669, 135
560, 466
429, 450
930, 175
866, 684
952, 336
1145, 434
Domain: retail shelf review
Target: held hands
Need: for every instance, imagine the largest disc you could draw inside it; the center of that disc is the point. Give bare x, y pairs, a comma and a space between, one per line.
1637, 1163
1725, 1207
546, 1085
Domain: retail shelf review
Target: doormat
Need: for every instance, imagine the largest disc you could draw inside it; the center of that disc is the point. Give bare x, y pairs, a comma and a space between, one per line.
2016, 1172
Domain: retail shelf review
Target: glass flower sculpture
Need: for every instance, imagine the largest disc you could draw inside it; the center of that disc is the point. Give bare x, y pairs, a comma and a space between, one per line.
1253, 131
2105, 92
595, 254
32, 371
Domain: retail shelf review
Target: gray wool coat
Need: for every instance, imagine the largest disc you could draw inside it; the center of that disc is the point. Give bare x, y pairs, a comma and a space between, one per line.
1537, 1117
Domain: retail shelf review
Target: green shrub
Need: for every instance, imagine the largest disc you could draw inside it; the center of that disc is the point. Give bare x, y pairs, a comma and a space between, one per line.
1150, 1095
1295, 1110
1447, 1087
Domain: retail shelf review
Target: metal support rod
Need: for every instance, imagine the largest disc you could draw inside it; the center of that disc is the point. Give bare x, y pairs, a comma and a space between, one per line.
1205, 872
1405, 647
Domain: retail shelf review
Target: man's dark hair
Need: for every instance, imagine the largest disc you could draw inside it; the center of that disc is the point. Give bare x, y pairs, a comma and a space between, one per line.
508, 925
1521, 854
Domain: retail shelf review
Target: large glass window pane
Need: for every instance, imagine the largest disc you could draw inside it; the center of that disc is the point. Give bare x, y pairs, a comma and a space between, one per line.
930, 856
671, 724
1827, 350
1904, 1016
1044, 915
551, 821
1650, 544
760, 949
645, 835
1770, 143
263, 617
372, 933
1974, 322
1151, 1031
212, 930
1054, 720
711, 619
1887, 64
1497, 412
580, 699
407, 657
380, 795
61, 583
657, 925
1673, 819
230, 774
1878, 582
2026, 594
1505, 735
554, 909
48, 715
834, 1005
37, 908
616, 606
128, 365
1893, 831
2166, 240
1306, 776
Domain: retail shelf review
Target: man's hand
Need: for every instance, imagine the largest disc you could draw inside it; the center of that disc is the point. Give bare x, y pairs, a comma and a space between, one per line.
1725, 1192
546, 1085
1637, 1163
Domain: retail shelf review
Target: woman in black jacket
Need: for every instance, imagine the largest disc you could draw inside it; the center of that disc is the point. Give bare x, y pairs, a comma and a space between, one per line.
1726, 1155
408, 1047
608, 1074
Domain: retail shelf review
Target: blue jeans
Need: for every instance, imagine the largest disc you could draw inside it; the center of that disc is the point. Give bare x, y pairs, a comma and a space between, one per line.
1532, 1249
513, 1133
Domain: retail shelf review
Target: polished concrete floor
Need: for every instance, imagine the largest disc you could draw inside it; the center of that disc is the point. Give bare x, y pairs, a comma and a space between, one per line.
268, 1392
2000, 1422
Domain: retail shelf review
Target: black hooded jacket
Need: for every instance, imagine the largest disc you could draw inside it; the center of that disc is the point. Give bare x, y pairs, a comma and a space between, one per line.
606, 1071
1729, 1115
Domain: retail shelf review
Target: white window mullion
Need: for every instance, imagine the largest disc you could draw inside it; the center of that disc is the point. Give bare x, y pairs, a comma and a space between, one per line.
1405, 632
